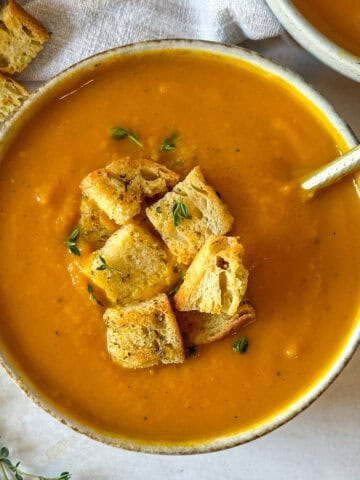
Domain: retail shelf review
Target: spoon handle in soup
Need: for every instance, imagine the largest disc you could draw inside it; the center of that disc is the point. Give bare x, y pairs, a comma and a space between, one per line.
332, 172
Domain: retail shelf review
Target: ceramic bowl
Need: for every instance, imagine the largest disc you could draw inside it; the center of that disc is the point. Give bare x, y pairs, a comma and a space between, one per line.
8, 135
315, 42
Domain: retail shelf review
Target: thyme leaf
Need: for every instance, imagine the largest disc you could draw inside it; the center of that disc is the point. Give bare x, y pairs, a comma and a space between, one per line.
169, 143
118, 133
241, 345
179, 210
71, 241
92, 295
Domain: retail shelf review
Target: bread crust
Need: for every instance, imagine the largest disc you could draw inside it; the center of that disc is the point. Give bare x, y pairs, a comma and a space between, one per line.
144, 334
201, 328
119, 188
12, 94
209, 216
21, 38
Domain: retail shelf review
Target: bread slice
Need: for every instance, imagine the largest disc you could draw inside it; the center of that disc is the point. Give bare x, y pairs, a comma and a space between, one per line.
216, 281
95, 226
200, 328
131, 266
21, 38
120, 187
144, 334
207, 216
12, 94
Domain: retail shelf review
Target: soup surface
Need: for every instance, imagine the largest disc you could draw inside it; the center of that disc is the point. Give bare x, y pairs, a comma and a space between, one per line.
253, 136
339, 21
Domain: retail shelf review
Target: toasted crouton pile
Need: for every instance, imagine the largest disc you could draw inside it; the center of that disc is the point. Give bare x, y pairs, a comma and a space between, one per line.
21, 39
138, 260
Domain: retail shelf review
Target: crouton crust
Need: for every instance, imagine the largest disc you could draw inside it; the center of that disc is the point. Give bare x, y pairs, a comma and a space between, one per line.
209, 216
144, 334
119, 188
131, 266
200, 328
216, 281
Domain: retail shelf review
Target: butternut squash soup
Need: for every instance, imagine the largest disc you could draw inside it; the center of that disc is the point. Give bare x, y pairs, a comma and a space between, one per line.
338, 21
252, 136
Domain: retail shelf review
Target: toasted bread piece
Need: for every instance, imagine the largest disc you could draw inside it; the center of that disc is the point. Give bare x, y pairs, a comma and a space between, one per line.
95, 226
131, 266
144, 334
21, 38
119, 188
199, 328
216, 281
12, 94
209, 216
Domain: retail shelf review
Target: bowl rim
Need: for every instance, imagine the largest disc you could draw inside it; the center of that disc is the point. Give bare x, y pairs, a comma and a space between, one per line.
8, 133
324, 49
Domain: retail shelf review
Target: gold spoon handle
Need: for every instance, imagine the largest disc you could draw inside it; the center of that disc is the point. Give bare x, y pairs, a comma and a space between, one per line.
332, 172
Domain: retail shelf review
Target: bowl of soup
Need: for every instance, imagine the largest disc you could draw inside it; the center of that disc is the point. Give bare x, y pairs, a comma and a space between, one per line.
254, 128
327, 29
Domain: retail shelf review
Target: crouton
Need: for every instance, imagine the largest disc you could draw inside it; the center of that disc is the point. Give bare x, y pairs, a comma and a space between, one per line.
131, 266
12, 94
216, 281
200, 328
119, 188
21, 38
189, 215
144, 334
95, 226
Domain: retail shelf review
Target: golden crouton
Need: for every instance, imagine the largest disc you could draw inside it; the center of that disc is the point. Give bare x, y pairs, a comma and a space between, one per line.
144, 334
12, 94
189, 215
199, 328
119, 188
21, 37
95, 226
131, 266
216, 281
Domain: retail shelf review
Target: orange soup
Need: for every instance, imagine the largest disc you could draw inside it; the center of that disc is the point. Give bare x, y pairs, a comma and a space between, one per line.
339, 21
253, 136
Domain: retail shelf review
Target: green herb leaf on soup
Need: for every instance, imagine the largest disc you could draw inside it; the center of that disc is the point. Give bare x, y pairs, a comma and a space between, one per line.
118, 133
92, 295
169, 143
241, 345
71, 241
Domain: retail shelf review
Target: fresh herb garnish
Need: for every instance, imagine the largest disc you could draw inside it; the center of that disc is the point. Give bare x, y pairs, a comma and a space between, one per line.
118, 133
7, 468
179, 210
92, 295
241, 345
174, 290
191, 351
71, 241
169, 143
103, 265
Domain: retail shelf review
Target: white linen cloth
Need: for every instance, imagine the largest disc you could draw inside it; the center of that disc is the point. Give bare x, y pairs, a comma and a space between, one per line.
81, 28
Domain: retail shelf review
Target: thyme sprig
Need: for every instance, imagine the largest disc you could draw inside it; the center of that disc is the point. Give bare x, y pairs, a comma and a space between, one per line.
179, 210
10, 470
119, 133
169, 143
71, 241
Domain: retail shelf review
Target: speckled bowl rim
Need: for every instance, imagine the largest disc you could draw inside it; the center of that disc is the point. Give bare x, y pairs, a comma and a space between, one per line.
315, 42
8, 134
